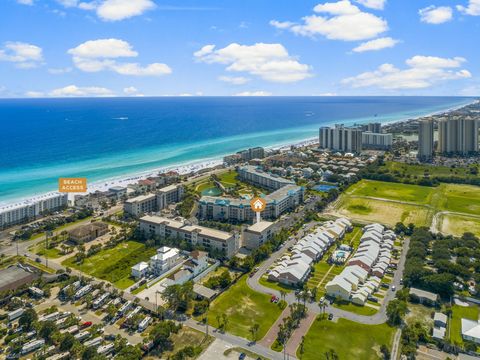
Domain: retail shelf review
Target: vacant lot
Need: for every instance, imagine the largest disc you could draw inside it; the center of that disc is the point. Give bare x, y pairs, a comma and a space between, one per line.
113, 264
392, 191
349, 340
385, 212
457, 225
461, 198
243, 308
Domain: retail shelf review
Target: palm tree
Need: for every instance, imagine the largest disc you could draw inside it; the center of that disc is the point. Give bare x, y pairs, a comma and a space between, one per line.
283, 294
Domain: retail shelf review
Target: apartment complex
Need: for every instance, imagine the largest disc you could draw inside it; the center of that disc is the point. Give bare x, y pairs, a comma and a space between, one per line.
341, 138
257, 177
458, 135
425, 140
238, 210
154, 202
89, 232
376, 141
210, 239
245, 155
257, 234
19, 213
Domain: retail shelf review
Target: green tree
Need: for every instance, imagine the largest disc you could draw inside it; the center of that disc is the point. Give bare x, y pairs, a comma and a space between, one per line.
27, 319
396, 310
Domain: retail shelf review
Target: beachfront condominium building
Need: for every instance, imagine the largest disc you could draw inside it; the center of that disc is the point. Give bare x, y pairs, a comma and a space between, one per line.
257, 177
19, 213
252, 153
210, 239
376, 141
425, 140
341, 138
154, 202
238, 210
458, 135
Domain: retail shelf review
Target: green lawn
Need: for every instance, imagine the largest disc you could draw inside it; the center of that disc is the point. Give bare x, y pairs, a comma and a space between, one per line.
40, 250
113, 264
459, 312
228, 178
461, 198
354, 308
350, 340
392, 191
420, 170
244, 307
275, 285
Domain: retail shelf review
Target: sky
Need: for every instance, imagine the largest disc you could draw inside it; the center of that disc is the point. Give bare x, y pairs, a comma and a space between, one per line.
74, 48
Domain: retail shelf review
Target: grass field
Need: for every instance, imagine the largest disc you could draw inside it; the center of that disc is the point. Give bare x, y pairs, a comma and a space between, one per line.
274, 285
392, 191
188, 337
461, 198
244, 307
113, 264
389, 203
458, 224
356, 309
385, 212
459, 312
40, 250
348, 339
420, 170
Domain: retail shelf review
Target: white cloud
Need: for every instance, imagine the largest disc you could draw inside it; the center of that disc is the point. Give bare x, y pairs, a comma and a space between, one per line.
111, 10
436, 15
24, 55
254, 93
328, 94
114, 10
234, 80
423, 72
377, 44
76, 91
132, 91
373, 4
473, 8
99, 55
339, 21
34, 94
104, 48
270, 62
59, 71
25, 2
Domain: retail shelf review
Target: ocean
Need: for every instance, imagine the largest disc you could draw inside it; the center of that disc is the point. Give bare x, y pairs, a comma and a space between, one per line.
106, 138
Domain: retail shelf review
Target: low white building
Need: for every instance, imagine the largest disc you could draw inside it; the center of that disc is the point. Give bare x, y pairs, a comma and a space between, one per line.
471, 330
140, 270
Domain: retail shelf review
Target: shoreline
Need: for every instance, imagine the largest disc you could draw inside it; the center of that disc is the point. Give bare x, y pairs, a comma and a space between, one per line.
198, 165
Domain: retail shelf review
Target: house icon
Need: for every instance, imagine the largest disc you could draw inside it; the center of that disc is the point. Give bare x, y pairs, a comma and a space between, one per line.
258, 204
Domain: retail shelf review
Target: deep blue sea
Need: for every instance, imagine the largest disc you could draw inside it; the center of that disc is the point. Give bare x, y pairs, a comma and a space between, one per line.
43, 139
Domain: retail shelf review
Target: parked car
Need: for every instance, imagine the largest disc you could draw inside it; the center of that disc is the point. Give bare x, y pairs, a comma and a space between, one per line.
242, 356
330, 316
394, 287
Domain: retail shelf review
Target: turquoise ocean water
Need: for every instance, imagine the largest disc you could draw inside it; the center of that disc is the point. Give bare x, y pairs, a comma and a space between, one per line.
43, 139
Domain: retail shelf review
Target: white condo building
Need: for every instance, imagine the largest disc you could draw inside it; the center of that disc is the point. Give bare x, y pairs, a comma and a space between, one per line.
210, 239
154, 202
29, 210
425, 140
458, 135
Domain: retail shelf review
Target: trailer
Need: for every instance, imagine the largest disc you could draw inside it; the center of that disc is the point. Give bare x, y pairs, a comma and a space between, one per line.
100, 300
71, 330
144, 324
50, 317
32, 346
94, 342
125, 308
15, 314
82, 335
60, 356
83, 291
105, 349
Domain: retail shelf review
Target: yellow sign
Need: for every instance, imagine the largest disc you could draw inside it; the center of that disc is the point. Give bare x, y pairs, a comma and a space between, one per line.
73, 185
258, 204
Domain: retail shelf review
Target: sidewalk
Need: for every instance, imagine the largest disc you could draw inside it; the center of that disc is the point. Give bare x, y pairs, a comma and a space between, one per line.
271, 335
296, 338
